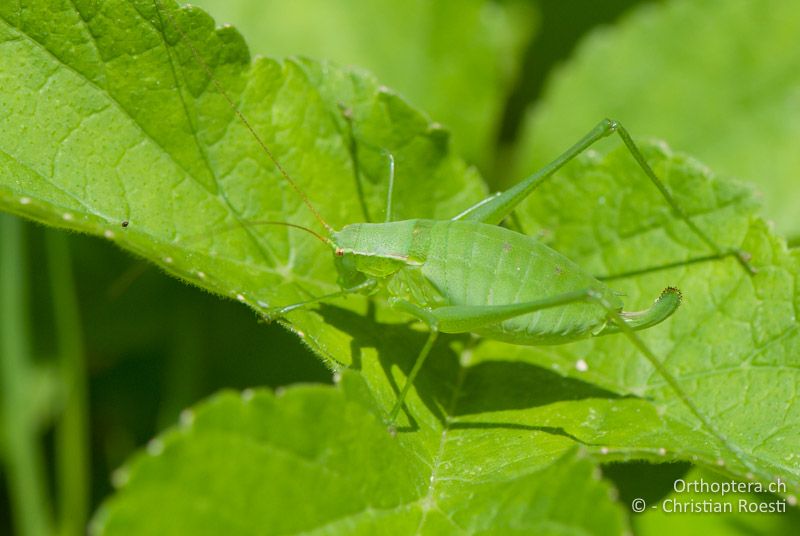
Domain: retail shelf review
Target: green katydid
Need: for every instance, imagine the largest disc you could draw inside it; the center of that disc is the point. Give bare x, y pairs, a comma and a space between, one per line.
470, 275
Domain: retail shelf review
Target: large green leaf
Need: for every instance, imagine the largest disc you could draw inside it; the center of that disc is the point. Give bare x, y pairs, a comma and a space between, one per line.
433, 53
716, 78
105, 120
314, 460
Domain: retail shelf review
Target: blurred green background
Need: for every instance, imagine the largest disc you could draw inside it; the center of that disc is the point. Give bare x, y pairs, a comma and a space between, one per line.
101, 351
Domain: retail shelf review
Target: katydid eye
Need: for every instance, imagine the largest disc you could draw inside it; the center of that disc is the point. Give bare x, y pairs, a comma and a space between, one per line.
339, 252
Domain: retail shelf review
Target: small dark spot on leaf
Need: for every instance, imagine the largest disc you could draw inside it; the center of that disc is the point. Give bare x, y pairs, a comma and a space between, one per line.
124, 223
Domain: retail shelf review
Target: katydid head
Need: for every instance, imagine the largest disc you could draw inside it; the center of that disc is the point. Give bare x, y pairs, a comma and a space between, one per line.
379, 250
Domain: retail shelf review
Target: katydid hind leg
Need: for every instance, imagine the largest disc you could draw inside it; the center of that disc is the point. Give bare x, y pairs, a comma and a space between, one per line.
497, 207
666, 266
742, 257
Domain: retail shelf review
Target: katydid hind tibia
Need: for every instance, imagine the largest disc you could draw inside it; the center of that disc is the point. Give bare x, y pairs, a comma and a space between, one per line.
470, 275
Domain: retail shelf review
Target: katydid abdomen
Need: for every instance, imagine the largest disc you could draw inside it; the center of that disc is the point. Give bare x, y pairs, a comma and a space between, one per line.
438, 263
474, 263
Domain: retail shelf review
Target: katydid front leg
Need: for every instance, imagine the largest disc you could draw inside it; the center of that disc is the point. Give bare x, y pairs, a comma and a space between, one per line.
277, 312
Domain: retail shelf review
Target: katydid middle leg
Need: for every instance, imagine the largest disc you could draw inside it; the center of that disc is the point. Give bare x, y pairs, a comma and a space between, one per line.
430, 320
495, 208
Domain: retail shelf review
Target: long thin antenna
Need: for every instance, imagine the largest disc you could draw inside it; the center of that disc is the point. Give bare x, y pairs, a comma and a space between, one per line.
239, 114
318, 236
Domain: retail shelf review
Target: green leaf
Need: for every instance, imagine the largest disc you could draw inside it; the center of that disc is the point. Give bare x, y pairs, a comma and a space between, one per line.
246, 465
734, 343
107, 122
433, 53
105, 119
717, 79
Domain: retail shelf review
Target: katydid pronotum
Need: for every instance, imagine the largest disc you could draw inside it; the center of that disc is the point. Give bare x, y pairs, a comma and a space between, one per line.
471, 275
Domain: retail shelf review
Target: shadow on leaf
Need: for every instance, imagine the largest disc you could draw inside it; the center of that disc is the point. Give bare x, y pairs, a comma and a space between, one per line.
446, 389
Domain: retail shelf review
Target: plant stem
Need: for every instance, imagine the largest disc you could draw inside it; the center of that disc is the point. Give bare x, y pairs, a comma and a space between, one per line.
23, 453
72, 448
